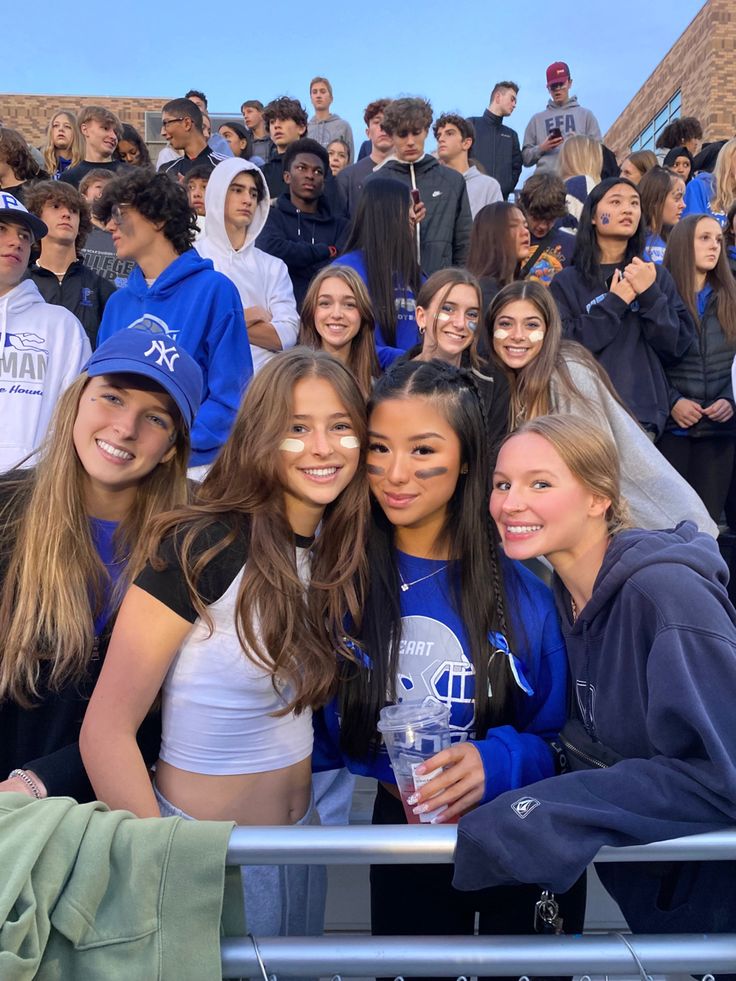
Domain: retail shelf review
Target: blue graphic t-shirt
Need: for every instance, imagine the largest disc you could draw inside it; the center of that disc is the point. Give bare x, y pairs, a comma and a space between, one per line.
434, 655
435, 661
103, 533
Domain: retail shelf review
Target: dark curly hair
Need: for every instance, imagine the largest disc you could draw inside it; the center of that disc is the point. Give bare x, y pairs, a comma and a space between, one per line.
57, 192
285, 108
14, 151
157, 198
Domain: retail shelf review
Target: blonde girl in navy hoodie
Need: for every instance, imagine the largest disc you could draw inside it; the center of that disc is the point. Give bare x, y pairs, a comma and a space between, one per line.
651, 644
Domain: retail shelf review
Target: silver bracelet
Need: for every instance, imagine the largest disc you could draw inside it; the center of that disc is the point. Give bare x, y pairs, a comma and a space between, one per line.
28, 781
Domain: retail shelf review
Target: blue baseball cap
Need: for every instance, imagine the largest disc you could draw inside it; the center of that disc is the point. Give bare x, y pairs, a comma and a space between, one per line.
14, 212
156, 357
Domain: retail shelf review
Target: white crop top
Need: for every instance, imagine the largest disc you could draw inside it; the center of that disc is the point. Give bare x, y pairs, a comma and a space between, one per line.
218, 704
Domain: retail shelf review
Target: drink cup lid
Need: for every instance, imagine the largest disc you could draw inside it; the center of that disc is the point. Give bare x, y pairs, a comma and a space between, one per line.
413, 714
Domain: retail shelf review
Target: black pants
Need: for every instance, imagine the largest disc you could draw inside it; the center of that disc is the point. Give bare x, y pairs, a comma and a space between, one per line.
419, 900
705, 462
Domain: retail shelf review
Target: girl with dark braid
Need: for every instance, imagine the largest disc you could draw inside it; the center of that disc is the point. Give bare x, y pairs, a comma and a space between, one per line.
448, 619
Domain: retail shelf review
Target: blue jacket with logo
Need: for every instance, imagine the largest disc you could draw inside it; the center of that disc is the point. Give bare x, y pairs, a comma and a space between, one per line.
433, 664
653, 669
201, 310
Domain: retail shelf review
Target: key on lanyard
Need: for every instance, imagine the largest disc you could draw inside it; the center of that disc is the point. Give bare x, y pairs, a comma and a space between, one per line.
547, 917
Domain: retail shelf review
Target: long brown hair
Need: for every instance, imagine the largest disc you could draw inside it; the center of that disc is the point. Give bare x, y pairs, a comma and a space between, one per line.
654, 189
680, 261
55, 582
440, 284
492, 253
292, 632
531, 386
362, 360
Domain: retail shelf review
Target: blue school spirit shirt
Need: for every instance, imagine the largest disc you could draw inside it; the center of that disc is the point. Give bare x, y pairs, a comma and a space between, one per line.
201, 310
435, 661
407, 331
103, 534
698, 194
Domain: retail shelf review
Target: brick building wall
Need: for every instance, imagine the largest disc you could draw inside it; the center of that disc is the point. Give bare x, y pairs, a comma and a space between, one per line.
30, 114
700, 64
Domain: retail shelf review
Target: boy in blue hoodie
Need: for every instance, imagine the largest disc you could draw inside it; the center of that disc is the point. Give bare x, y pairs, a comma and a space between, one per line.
175, 292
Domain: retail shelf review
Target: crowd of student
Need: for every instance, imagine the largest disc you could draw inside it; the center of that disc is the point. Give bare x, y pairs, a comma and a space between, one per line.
257, 401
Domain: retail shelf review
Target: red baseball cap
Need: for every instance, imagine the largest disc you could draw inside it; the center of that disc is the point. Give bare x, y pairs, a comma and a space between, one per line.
558, 71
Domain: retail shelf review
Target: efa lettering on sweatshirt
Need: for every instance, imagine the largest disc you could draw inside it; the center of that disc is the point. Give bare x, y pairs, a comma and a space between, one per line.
23, 361
563, 121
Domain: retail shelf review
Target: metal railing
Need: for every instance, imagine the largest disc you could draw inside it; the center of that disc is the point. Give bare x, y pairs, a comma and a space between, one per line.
442, 956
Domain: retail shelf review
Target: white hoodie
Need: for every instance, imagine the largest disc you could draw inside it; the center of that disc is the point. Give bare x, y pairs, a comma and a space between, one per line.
262, 279
42, 350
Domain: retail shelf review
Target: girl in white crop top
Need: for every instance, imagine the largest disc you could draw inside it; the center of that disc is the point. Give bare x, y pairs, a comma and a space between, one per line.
224, 620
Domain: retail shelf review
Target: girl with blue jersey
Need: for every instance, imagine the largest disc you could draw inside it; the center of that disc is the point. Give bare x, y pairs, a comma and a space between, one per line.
446, 619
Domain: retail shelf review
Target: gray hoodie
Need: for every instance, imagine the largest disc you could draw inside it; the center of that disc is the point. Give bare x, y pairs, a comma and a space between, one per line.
324, 131
261, 279
571, 118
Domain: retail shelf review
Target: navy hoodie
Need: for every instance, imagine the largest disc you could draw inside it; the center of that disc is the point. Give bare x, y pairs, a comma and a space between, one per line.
200, 309
303, 241
653, 667
633, 341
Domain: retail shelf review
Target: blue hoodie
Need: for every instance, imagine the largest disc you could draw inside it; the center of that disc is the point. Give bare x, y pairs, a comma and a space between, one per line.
698, 194
433, 663
653, 668
407, 332
201, 310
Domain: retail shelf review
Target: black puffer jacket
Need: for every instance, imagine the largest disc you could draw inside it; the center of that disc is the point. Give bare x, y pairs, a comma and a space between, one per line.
704, 374
445, 231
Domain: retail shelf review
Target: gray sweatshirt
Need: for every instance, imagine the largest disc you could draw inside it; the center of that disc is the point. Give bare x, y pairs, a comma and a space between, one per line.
571, 118
657, 495
482, 189
324, 131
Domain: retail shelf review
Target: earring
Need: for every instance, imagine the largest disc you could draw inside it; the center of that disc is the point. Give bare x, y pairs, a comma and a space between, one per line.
464, 468
422, 330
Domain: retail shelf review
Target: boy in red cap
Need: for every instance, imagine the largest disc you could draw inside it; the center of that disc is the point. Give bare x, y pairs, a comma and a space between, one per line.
563, 117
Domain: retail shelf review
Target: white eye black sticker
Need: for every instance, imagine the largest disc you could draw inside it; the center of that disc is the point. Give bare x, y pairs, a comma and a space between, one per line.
292, 445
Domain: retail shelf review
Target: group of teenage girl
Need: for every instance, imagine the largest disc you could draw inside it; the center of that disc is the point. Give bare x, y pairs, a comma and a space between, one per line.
197, 651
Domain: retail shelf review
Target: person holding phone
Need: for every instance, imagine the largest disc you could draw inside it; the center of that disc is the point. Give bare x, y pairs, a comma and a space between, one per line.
563, 117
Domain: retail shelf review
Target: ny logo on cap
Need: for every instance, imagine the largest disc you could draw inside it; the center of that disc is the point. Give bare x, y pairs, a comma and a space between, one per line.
166, 355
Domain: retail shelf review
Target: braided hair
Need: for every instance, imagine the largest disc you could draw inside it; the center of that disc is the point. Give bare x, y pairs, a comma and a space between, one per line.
477, 588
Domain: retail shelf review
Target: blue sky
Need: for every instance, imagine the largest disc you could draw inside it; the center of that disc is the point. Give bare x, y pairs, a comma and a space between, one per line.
450, 52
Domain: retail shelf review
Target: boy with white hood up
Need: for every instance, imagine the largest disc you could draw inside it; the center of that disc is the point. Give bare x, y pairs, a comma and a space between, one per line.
237, 203
42, 346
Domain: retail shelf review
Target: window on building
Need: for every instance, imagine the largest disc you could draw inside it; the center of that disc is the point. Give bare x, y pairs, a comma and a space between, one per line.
647, 137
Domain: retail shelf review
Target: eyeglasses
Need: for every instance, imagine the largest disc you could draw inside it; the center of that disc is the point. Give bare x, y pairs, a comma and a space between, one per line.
165, 123
557, 85
117, 214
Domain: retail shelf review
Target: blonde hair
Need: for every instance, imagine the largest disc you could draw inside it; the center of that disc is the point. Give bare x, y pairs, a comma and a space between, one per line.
76, 150
55, 583
591, 456
581, 155
724, 180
